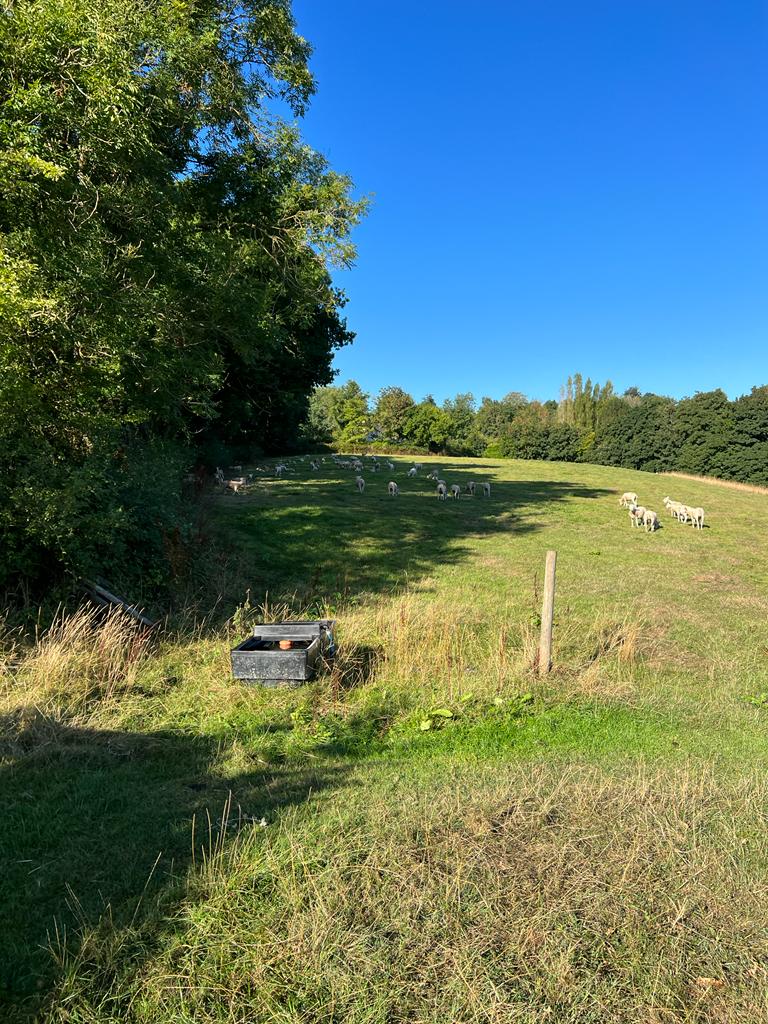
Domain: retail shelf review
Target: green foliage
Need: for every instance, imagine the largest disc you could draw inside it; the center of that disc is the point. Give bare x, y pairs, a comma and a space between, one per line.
165, 245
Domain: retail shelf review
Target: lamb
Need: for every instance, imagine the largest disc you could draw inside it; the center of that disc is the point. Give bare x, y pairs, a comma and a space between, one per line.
673, 507
636, 513
697, 517
628, 498
412, 471
455, 491
441, 491
486, 490
471, 487
650, 521
360, 484
393, 489
235, 484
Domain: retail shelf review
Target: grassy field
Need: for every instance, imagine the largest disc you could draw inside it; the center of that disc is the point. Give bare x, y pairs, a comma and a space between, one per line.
428, 832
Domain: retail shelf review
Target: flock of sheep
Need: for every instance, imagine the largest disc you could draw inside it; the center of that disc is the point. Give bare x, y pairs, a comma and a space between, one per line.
644, 517
442, 488
639, 515
236, 484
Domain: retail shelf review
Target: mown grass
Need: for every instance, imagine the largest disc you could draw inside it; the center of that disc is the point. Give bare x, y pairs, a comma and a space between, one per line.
428, 832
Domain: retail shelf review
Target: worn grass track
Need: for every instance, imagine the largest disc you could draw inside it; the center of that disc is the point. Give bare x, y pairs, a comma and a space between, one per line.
428, 832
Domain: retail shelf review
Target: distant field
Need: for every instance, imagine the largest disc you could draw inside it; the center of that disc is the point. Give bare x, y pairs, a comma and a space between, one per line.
428, 832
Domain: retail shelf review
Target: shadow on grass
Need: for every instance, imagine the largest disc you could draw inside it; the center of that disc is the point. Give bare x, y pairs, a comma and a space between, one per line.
319, 539
87, 813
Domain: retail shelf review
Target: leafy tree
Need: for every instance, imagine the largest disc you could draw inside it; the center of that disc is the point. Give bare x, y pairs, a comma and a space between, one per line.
391, 413
165, 246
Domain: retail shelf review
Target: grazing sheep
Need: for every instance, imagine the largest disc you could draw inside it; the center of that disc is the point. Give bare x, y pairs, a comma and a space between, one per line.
455, 491
650, 521
486, 490
360, 484
314, 465
636, 513
628, 498
412, 471
393, 489
471, 487
434, 475
235, 484
442, 491
673, 507
391, 467
697, 517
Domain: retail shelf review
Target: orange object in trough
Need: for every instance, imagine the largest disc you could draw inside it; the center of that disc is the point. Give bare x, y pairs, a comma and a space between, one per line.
286, 645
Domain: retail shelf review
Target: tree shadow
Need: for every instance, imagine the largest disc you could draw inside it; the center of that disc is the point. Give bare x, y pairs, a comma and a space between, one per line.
90, 815
317, 538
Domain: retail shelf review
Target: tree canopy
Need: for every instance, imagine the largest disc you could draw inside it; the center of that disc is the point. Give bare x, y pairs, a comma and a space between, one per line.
165, 248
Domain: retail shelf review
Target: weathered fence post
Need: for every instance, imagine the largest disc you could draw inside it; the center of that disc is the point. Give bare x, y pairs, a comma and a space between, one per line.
547, 614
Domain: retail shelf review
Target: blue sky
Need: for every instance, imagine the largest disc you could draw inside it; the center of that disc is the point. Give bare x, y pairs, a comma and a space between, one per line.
557, 186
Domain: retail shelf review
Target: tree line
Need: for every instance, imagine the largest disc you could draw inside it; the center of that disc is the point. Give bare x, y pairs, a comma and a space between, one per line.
707, 434
166, 243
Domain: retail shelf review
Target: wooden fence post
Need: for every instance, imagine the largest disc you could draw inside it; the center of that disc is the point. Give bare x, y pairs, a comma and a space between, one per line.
547, 614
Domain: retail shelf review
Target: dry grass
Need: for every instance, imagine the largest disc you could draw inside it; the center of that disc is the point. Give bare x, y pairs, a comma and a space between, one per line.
82, 661
532, 897
732, 484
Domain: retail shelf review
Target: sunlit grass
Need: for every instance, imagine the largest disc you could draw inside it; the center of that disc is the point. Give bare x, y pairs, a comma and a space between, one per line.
428, 831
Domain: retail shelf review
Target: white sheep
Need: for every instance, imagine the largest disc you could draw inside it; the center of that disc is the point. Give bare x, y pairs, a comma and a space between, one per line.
393, 489
697, 517
471, 487
636, 513
486, 490
360, 484
628, 498
433, 475
412, 471
650, 521
236, 483
441, 491
391, 466
455, 491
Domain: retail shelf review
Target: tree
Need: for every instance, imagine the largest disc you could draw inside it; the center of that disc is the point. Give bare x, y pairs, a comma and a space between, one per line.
166, 244
391, 413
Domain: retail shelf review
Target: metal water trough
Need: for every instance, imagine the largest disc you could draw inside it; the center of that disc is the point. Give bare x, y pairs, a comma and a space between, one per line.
259, 659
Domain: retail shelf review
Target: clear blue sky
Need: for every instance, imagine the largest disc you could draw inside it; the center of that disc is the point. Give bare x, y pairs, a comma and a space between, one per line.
557, 186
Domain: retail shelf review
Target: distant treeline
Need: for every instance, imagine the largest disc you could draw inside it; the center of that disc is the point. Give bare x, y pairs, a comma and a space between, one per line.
707, 434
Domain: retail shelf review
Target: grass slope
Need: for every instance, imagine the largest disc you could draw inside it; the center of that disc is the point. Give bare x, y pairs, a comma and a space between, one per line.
428, 832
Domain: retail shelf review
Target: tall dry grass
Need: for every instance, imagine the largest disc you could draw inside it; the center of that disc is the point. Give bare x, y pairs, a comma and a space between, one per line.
84, 658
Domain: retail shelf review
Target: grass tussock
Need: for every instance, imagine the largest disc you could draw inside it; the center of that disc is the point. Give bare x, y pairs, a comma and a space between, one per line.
83, 660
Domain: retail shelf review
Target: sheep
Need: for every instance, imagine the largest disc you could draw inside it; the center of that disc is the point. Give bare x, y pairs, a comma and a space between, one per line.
314, 465
697, 517
650, 521
360, 484
628, 498
418, 465
218, 476
235, 484
486, 490
391, 466
673, 507
412, 471
280, 469
393, 489
636, 513
471, 487
455, 491
433, 475
441, 491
